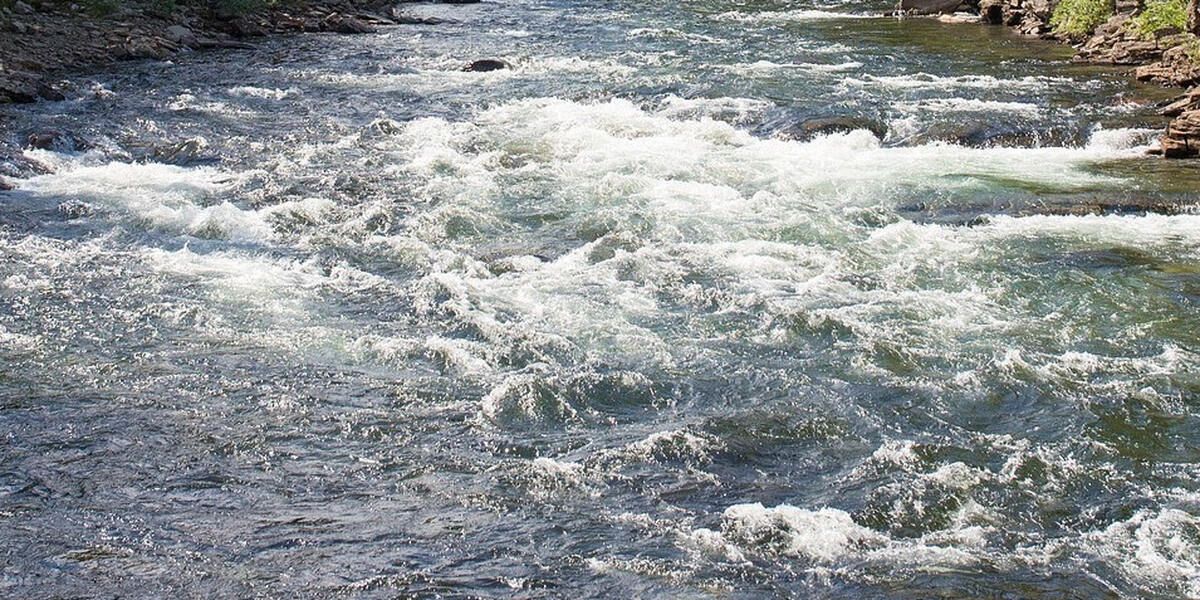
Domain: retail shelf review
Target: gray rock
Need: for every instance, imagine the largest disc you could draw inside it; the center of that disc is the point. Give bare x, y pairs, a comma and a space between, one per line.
50, 92
345, 24
188, 152
22, 8
811, 128
487, 64
57, 141
180, 34
17, 89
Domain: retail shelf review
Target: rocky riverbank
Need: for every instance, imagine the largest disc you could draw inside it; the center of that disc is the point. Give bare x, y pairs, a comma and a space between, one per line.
1167, 56
41, 40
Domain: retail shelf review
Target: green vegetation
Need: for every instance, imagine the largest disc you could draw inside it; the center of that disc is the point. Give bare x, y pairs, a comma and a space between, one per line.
1192, 49
1078, 18
1159, 15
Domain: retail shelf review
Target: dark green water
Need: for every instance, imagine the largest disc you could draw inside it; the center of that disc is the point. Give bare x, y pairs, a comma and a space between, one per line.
623, 321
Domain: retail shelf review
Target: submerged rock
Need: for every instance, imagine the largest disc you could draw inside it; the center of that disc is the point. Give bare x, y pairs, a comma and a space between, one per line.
487, 64
811, 128
191, 151
57, 141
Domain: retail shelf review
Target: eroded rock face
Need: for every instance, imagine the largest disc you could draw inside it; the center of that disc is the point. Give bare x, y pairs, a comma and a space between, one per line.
1179, 64
1117, 43
1182, 139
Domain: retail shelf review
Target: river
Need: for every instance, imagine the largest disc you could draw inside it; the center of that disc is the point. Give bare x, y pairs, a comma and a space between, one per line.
702, 299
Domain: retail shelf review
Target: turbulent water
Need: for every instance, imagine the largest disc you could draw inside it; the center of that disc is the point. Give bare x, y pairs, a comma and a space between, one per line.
624, 321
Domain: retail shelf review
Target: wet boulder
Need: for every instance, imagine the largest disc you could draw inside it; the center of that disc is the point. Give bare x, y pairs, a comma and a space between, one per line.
347, 24
816, 127
487, 64
18, 87
57, 141
929, 7
192, 151
180, 35
991, 133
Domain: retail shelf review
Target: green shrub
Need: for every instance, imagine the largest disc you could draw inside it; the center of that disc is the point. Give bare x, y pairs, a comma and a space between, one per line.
1159, 15
1078, 18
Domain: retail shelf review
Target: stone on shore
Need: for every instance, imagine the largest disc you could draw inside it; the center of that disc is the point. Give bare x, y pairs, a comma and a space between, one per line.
347, 24
1179, 65
929, 7
1182, 139
181, 35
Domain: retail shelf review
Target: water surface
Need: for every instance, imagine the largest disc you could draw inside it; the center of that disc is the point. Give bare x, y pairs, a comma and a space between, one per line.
701, 299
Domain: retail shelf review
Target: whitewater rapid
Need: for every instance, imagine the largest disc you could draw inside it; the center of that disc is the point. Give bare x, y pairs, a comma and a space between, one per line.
610, 323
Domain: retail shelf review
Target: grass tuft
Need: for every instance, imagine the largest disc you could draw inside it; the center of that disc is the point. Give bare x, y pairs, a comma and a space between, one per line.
1078, 18
1159, 15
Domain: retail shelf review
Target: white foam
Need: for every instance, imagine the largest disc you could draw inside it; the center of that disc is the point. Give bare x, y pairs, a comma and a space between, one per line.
733, 109
162, 196
766, 65
797, 15
1123, 138
823, 535
1155, 548
264, 93
17, 342
672, 33
969, 105
919, 81
432, 76
697, 198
